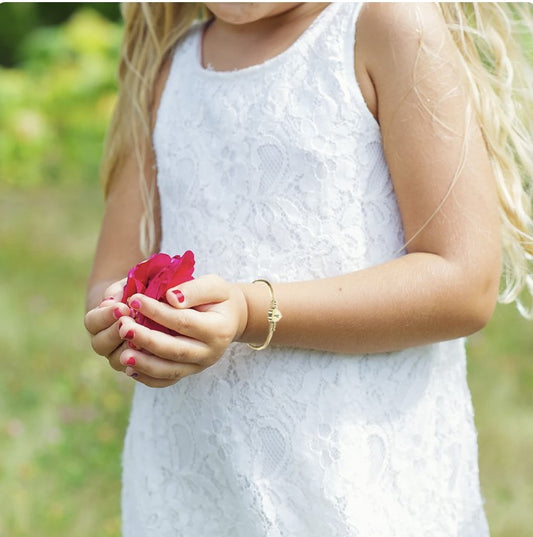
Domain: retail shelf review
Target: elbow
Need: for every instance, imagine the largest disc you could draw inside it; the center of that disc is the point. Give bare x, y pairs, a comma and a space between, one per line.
476, 304
478, 317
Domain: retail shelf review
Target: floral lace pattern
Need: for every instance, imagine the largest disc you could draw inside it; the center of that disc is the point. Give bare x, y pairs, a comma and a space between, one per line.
277, 171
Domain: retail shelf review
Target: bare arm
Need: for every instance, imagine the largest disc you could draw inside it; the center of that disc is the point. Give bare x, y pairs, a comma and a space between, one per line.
118, 245
446, 286
118, 248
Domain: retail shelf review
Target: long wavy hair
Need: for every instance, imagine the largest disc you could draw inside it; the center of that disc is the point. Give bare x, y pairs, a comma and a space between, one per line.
492, 39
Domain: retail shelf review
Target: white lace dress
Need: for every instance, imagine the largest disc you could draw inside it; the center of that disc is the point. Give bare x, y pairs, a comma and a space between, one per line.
277, 171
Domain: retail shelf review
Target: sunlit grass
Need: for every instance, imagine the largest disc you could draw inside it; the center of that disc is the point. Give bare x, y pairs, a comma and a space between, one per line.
501, 380
63, 411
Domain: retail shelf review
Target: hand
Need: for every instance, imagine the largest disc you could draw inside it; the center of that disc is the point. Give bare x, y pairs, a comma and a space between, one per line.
102, 324
207, 313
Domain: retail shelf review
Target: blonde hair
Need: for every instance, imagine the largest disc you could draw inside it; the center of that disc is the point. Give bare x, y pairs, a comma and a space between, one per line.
501, 84
492, 38
151, 30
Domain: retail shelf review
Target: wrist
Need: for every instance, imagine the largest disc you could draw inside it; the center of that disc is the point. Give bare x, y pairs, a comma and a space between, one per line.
258, 301
242, 311
273, 315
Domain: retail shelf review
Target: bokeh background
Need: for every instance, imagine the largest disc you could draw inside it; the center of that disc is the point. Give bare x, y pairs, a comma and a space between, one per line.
63, 411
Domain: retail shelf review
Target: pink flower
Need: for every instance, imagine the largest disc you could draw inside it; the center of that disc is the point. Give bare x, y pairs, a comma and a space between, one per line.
154, 277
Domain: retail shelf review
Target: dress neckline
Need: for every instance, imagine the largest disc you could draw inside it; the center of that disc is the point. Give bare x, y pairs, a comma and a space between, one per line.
299, 42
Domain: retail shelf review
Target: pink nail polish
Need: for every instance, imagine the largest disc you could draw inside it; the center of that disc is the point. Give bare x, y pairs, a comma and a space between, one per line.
132, 346
117, 314
135, 304
131, 361
130, 334
179, 296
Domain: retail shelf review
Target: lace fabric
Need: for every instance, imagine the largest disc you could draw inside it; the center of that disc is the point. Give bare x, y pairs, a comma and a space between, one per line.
277, 171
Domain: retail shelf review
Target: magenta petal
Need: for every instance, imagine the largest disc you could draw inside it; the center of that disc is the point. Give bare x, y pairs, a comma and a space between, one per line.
154, 277
185, 270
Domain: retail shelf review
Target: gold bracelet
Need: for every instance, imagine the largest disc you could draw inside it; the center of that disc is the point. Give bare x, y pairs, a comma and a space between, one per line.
274, 315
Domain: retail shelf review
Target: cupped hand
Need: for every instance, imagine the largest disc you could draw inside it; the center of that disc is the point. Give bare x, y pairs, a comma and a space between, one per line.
102, 324
207, 313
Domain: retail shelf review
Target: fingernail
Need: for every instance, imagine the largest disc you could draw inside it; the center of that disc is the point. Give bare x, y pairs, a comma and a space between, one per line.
130, 334
135, 304
131, 361
120, 325
132, 346
179, 296
134, 375
117, 313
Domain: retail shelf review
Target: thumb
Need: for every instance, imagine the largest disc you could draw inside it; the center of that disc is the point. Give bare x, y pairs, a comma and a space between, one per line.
114, 291
208, 289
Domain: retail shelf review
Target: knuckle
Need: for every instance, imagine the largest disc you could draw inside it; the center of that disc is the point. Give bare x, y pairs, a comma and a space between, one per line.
176, 374
114, 361
90, 323
147, 338
226, 334
203, 362
95, 346
117, 366
150, 382
99, 347
183, 323
146, 307
179, 356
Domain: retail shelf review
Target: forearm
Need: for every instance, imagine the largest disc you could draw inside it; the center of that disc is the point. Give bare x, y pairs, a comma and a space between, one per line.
414, 300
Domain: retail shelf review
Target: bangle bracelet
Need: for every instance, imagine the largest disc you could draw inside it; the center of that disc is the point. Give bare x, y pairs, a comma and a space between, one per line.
274, 315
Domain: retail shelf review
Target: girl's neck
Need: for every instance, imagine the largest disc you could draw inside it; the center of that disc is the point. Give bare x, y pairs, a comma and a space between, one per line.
242, 35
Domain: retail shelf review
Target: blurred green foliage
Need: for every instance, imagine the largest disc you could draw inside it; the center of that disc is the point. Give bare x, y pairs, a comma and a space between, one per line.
55, 104
18, 19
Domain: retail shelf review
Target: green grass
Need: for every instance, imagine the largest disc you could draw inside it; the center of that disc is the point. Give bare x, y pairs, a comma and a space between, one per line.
63, 411
501, 380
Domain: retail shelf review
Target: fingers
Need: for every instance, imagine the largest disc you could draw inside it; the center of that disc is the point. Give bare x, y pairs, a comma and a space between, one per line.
153, 370
108, 311
199, 311
101, 323
178, 348
187, 322
191, 310
115, 355
104, 315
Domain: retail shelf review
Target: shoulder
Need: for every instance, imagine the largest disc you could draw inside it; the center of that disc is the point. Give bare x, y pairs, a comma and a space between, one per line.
398, 29
393, 34
407, 24
396, 41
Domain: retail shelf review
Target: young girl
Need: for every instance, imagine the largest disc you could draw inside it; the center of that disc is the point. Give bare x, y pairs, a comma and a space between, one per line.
365, 163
